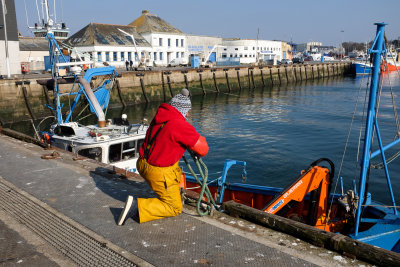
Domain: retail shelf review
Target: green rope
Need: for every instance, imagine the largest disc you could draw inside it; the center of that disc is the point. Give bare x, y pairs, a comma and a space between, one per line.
204, 188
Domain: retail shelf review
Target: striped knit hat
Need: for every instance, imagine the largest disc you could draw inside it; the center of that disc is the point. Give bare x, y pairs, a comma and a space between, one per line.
182, 102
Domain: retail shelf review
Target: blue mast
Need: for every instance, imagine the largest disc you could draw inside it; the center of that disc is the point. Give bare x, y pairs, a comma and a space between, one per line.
377, 49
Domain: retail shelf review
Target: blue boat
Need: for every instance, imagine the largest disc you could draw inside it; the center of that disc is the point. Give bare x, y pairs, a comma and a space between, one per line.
362, 68
308, 199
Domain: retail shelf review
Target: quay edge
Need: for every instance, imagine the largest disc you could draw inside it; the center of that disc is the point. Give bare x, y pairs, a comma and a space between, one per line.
25, 98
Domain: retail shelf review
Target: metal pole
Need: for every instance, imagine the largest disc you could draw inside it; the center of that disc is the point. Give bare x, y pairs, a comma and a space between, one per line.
3, 7
377, 50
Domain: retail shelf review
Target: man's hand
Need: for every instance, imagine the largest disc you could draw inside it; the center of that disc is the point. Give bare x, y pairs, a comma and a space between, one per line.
201, 147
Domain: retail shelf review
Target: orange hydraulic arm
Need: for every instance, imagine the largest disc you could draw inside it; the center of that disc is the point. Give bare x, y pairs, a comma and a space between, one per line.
316, 180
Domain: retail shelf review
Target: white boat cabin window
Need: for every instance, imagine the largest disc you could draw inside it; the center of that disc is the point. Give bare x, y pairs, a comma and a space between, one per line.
124, 151
92, 153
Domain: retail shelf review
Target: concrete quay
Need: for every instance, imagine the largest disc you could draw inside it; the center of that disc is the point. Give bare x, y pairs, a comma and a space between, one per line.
63, 212
26, 97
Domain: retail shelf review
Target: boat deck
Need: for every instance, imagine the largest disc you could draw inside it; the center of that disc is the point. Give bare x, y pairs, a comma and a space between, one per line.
71, 207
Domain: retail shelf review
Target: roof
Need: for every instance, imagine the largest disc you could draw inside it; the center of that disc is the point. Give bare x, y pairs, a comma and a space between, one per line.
33, 44
106, 35
152, 23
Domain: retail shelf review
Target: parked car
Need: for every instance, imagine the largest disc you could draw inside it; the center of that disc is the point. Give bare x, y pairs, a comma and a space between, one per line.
286, 61
178, 62
298, 60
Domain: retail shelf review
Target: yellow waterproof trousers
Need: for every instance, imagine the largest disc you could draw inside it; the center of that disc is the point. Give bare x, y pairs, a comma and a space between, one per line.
165, 183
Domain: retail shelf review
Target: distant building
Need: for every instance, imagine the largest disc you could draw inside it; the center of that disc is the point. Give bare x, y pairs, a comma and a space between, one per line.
208, 48
251, 51
12, 40
310, 46
33, 51
167, 41
106, 43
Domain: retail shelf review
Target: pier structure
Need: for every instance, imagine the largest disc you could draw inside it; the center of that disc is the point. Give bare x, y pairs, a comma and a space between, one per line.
60, 210
26, 98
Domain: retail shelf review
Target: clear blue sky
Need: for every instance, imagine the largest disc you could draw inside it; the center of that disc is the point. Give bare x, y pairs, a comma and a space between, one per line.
300, 21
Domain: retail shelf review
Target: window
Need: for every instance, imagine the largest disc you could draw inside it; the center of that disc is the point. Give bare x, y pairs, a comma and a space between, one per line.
182, 42
240, 55
121, 151
177, 43
114, 56
91, 153
99, 58
254, 48
129, 56
177, 54
107, 56
246, 48
155, 55
236, 48
161, 55
100, 38
122, 56
182, 54
169, 42
129, 38
116, 38
160, 42
245, 55
136, 56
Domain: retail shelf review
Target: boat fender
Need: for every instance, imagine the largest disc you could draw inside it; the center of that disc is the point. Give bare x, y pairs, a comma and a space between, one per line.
93, 134
45, 138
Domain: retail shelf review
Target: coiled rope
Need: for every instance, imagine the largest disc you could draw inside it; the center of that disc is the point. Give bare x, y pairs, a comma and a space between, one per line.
205, 191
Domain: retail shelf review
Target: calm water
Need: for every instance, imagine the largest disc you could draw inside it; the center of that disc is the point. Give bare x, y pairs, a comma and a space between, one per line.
280, 131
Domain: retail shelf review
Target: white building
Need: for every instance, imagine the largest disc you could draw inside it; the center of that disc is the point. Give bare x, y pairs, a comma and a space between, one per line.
33, 51
9, 51
107, 43
251, 51
167, 42
208, 48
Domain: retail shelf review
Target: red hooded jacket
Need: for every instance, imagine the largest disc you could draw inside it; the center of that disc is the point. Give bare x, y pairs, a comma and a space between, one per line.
172, 140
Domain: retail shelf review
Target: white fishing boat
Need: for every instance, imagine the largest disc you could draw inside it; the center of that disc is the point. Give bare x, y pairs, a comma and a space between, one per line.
111, 141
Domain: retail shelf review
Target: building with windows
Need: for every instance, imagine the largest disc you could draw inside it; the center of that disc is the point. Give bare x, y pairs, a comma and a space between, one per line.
167, 42
113, 44
207, 48
251, 51
9, 44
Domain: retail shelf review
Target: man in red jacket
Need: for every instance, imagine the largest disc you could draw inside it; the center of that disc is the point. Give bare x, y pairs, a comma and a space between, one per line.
167, 138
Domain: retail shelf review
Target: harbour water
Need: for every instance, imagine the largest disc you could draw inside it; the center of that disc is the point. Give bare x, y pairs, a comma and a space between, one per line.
280, 131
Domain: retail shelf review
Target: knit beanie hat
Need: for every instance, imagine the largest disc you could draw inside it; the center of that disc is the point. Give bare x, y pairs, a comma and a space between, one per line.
182, 102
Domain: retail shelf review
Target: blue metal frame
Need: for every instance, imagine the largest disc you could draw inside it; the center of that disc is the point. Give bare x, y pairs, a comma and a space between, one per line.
222, 181
377, 49
90, 73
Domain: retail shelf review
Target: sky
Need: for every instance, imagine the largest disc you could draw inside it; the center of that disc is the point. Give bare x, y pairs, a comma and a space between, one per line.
301, 21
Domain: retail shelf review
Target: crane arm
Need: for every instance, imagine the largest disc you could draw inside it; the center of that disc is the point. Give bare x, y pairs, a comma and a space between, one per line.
315, 177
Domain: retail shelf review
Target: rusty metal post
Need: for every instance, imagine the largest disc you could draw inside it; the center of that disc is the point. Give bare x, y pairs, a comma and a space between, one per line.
201, 81
215, 80
185, 77
238, 77
227, 80
252, 77
262, 76
169, 83
270, 74
143, 87
120, 93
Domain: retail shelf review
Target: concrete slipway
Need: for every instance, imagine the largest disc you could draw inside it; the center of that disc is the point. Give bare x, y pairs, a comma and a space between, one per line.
63, 212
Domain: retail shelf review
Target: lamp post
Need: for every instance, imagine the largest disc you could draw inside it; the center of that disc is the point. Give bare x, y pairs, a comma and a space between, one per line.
4, 11
341, 45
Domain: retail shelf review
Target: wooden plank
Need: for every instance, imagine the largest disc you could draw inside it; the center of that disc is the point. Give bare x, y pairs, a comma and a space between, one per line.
333, 241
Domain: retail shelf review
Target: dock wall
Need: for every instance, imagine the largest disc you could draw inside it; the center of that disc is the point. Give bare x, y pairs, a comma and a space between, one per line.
26, 99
